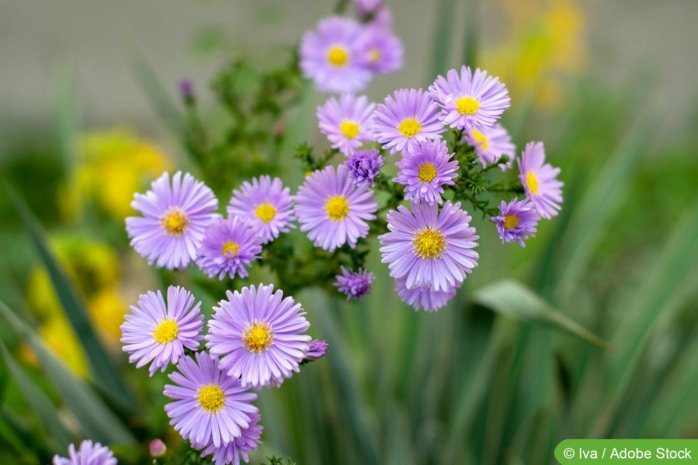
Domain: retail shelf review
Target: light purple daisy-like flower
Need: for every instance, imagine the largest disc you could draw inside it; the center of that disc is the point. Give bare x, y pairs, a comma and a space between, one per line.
258, 335
209, 406
470, 100
316, 350
230, 453
345, 122
517, 222
540, 181
408, 117
333, 209
332, 58
355, 284
228, 248
175, 217
423, 297
381, 50
266, 204
490, 144
373, 12
428, 246
364, 166
89, 453
425, 169
158, 332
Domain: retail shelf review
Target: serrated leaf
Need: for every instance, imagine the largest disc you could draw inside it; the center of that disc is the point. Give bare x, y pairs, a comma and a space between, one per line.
515, 300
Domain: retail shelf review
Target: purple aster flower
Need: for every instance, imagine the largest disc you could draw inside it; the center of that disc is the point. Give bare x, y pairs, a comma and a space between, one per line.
428, 246
364, 166
175, 217
230, 453
258, 335
229, 247
423, 296
490, 144
406, 118
517, 222
373, 12
209, 406
333, 209
355, 284
332, 58
381, 50
425, 169
89, 454
316, 350
470, 99
158, 332
266, 204
345, 121
540, 181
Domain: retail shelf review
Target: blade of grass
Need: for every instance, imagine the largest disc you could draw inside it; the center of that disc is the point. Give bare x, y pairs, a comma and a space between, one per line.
93, 415
443, 38
102, 367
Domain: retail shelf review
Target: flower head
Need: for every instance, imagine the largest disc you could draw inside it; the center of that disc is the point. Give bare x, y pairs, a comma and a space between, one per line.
175, 217
316, 350
428, 246
540, 181
345, 121
381, 50
266, 204
209, 406
332, 58
89, 454
230, 453
425, 169
158, 332
373, 12
333, 209
470, 100
355, 284
228, 248
364, 166
423, 297
517, 222
404, 119
258, 335
490, 144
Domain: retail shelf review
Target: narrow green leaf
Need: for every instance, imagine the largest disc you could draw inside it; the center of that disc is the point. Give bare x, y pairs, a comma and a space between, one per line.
443, 38
513, 299
102, 367
93, 415
42, 406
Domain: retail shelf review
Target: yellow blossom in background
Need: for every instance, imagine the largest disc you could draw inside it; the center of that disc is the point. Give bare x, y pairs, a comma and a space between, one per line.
112, 166
546, 44
107, 309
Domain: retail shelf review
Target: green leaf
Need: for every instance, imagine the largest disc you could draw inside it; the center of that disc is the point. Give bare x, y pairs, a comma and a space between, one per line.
515, 300
102, 367
94, 416
42, 406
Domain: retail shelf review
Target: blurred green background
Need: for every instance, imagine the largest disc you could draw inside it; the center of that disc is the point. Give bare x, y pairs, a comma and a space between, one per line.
89, 112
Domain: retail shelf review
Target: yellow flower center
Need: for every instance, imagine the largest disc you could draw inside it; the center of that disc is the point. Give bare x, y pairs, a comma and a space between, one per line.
427, 172
480, 139
349, 128
511, 221
265, 212
337, 208
257, 337
174, 222
428, 244
532, 182
409, 127
166, 331
211, 398
230, 248
467, 105
337, 56
374, 55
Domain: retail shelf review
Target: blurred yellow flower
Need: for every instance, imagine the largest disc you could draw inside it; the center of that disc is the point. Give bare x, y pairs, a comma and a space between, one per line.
547, 42
113, 165
107, 309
